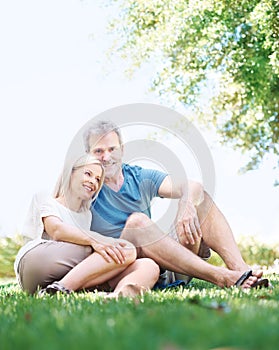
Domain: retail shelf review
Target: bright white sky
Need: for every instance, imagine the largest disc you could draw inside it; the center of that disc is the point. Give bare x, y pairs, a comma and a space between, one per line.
54, 77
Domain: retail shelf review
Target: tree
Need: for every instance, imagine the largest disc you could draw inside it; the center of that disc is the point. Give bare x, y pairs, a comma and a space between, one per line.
227, 47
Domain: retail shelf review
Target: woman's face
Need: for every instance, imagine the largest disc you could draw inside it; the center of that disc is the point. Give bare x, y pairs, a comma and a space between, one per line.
85, 181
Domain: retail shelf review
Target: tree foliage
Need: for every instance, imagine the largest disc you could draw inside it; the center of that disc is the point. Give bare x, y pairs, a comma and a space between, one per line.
221, 57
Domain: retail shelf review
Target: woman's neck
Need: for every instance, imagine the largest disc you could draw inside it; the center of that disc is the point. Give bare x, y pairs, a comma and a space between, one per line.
70, 202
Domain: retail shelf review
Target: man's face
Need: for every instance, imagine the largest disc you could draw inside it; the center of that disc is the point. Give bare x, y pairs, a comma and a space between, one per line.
108, 151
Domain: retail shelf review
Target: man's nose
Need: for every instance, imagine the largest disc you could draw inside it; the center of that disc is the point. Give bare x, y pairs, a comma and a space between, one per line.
106, 155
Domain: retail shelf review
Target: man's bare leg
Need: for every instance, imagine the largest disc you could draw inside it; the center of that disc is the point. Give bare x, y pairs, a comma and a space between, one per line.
218, 235
153, 243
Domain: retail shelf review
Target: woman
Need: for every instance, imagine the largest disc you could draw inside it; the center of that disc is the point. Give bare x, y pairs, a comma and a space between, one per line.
65, 255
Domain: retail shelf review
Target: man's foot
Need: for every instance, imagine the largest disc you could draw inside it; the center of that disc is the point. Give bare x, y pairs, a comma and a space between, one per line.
252, 280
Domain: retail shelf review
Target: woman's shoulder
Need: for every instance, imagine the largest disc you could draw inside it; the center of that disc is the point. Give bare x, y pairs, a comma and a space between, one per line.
42, 196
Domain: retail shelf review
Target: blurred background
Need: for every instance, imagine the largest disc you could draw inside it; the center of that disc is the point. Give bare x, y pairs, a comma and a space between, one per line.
63, 62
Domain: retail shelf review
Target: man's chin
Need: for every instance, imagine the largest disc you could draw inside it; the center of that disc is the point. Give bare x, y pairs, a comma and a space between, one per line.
110, 171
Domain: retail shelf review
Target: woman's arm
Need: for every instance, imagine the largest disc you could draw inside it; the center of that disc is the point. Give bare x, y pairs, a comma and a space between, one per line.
108, 247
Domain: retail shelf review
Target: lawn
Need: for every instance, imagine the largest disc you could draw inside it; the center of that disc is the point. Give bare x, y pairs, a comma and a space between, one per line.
200, 316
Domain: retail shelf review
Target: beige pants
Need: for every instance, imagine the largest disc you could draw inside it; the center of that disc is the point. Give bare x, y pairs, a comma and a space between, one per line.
49, 262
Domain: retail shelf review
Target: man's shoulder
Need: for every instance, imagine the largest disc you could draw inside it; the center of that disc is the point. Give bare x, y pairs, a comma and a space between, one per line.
141, 172
136, 170
128, 168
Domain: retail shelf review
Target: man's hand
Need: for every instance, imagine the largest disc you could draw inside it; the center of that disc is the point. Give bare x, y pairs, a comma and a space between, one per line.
191, 194
112, 250
187, 223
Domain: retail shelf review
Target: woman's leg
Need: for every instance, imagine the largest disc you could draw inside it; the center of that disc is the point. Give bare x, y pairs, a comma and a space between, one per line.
48, 262
95, 270
74, 266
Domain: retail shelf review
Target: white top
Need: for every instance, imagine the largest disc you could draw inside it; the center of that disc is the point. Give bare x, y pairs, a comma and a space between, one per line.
43, 205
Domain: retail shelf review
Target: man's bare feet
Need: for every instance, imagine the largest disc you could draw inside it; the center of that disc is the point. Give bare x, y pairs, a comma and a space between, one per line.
250, 279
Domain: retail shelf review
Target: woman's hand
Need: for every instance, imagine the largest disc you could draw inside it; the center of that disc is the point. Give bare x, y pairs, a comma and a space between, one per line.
110, 249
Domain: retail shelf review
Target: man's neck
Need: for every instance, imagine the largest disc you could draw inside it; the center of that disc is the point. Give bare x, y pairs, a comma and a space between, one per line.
115, 182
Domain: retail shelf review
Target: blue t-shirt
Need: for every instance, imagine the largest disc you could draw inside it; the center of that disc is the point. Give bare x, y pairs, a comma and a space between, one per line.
111, 209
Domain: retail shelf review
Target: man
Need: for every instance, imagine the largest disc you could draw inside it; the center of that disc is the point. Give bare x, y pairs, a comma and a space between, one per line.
125, 200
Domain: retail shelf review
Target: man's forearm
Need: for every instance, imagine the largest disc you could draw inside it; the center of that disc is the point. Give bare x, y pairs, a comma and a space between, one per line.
193, 192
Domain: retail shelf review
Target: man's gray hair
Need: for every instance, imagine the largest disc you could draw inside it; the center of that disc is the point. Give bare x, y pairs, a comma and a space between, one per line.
100, 128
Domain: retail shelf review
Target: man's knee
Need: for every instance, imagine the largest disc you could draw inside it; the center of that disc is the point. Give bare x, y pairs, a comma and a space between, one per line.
137, 220
135, 228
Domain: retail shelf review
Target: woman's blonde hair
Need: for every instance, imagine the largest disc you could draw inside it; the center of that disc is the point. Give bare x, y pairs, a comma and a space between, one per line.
62, 186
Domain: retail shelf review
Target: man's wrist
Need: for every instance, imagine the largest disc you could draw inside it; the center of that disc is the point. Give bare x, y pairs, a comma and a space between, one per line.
185, 200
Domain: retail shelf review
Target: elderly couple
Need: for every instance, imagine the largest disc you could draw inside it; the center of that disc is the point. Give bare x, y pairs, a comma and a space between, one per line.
95, 232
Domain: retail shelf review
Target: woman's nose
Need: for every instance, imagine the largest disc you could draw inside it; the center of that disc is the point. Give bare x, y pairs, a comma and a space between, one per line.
93, 181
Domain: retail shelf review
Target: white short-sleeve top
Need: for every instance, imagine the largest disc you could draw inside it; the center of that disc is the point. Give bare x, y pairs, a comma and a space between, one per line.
43, 205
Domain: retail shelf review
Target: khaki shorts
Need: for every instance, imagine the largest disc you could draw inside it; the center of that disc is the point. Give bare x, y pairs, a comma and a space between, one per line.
49, 262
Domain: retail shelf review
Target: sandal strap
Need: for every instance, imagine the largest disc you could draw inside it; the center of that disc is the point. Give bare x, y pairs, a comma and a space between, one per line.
243, 278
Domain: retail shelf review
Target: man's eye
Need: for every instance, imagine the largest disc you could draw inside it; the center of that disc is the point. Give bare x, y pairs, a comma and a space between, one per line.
87, 173
97, 151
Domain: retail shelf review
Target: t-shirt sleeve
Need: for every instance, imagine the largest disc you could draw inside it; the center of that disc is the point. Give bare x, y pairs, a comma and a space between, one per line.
151, 181
42, 205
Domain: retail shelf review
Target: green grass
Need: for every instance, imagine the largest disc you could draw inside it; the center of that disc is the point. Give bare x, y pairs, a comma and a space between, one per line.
9, 247
200, 316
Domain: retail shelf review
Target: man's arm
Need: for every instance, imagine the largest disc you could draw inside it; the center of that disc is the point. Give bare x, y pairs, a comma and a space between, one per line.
191, 194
